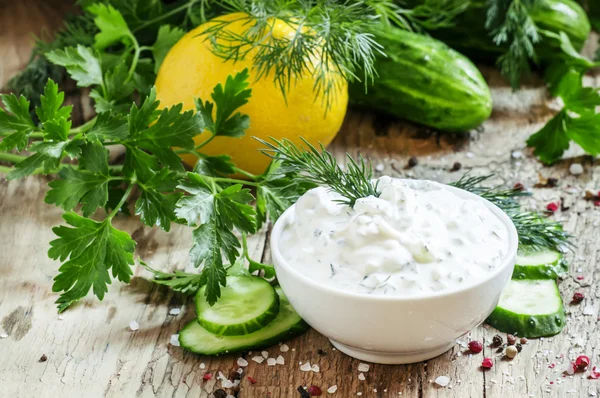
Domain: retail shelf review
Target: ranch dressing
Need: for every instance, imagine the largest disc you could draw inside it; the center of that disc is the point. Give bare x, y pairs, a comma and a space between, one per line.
417, 237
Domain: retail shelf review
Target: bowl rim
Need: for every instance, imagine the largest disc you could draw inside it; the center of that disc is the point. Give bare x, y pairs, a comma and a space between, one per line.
509, 260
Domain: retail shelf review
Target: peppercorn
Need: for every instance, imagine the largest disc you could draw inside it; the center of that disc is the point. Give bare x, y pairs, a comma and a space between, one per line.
511, 339
234, 375
303, 392
582, 362
456, 166
43, 358
511, 351
220, 393
519, 346
314, 391
578, 297
487, 363
497, 340
523, 340
412, 162
500, 349
475, 347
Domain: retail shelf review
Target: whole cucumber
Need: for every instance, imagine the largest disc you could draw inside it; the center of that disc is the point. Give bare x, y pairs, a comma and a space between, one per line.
470, 37
425, 81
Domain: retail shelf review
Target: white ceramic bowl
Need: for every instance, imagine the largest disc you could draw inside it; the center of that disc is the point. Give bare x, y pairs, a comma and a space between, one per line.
393, 330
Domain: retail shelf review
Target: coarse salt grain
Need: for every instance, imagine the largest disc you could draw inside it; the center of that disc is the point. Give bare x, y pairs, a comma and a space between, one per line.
305, 367
175, 340
242, 362
363, 367
60, 317
315, 368
280, 360
332, 389
226, 383
265, 354
361, 376
258, 359
271, 362
3, 335
576, 169
284, 348
175, 311
589, 310
379, 167
202, 365
442, 381
133, 325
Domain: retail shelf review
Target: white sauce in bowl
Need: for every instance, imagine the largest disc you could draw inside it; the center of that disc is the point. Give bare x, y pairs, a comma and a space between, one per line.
417, 237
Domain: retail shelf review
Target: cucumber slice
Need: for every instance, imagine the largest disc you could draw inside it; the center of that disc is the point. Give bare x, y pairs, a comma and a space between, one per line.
286, 325
247, 303
529, 308
539, 264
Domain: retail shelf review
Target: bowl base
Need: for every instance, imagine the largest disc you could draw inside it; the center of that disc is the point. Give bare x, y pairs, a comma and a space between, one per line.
391, 358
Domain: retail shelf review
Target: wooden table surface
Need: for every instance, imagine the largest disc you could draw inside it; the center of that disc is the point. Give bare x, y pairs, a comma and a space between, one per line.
90, 350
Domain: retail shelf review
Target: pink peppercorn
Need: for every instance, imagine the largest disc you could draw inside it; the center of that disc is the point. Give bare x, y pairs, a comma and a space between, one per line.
582, 362
475, 347
578, 297
487, 363
552, 207
207, 376
314, 391
251, 379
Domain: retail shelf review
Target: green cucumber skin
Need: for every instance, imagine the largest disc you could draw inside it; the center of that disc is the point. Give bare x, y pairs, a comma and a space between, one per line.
242, 328
425, 81
548, 271
212, 344
530, 326
470, 37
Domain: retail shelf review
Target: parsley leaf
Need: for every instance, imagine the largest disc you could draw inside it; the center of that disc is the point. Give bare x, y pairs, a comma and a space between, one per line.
112, 25
15, 120
108, 127
209, 239
233, 208
167, 37
93, 249
214, 165
229, 98
199, 205
51, 104
551, 141
154, 206
81, 64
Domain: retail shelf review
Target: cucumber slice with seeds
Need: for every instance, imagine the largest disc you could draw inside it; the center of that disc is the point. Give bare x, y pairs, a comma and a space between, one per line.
286, 325
247, 303
529, 308
539, 264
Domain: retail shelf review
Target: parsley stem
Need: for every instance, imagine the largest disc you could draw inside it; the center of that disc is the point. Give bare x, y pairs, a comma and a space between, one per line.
84, 128
6, 170
123, 199
11, 157
205, 142
245, 173
136, 57
235, 181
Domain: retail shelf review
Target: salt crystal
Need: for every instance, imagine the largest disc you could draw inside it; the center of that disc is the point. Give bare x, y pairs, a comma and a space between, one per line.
315, 368
229, 395
517, 154
305, 367
470, 155
133, 325
284, 348
226, 383
332, 389
175, 340
202, 365
363, 367
359, 393
242, 362
272, 362
240, 370
280, 360
569, 368
379, 167
442, 381
589, 310
3, 335
576, 169
265, 354
258, 359
175, 311
361, 376
60, 317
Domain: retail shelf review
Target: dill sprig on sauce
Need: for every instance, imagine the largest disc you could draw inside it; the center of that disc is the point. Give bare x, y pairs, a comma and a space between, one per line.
534, 229
317, 166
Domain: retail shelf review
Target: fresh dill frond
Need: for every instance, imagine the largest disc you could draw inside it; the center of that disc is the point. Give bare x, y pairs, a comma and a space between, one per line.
320, 167
534, 229
509, 22
331, 40
504, 198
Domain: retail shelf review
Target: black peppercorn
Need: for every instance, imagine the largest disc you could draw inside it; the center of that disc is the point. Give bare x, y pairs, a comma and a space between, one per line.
519, 347
497, 340
219, 393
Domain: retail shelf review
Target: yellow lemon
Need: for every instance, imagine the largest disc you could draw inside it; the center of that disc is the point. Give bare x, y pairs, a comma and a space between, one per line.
191, 70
